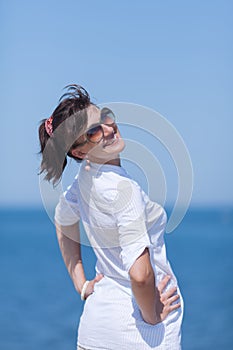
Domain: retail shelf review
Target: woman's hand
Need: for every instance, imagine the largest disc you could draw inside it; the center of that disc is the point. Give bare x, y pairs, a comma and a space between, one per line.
90, 286
165, 304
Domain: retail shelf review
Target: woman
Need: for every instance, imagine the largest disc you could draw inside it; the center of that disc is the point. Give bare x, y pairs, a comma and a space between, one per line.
133, 302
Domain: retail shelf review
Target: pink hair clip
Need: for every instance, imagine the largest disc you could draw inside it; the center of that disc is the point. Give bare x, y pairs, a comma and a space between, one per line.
49, 126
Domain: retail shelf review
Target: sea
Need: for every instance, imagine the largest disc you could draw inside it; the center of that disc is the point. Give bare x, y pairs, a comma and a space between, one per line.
40, 309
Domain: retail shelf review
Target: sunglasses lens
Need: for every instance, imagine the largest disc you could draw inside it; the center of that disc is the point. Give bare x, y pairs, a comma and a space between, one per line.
107, 116
95, 134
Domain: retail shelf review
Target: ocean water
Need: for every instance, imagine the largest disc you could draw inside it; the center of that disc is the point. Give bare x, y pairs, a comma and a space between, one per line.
39, 308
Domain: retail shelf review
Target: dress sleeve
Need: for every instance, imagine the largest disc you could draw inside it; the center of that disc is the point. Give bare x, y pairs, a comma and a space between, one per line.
130, 215
67, 210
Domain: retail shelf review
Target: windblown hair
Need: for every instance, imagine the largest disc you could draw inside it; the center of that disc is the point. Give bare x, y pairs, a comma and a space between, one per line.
69, 121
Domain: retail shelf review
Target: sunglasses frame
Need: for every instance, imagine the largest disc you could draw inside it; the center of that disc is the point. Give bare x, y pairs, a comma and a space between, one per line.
103, 112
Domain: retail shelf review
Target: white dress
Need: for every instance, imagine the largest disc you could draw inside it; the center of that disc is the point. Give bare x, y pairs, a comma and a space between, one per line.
120, 222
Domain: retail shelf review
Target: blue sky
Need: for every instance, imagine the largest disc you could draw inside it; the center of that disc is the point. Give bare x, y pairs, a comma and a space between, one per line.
172, 56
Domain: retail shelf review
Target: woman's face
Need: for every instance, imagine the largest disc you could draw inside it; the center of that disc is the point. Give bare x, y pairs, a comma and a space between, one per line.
107, 149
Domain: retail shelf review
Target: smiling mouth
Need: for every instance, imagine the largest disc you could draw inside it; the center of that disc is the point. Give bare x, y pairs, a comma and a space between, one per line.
111, 142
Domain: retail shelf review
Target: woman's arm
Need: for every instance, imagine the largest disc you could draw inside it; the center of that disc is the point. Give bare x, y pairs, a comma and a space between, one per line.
68, 239
153, 303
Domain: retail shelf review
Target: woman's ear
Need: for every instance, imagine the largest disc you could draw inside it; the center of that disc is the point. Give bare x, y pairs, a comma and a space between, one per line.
76, 153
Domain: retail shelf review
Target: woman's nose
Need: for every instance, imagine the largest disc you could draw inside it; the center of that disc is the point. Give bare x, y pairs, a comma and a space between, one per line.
108, 130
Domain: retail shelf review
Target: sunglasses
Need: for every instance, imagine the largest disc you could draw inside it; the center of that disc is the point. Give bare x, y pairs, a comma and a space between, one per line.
96, 133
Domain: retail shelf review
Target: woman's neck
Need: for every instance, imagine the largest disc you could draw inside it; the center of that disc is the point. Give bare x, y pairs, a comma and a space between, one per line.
115, 161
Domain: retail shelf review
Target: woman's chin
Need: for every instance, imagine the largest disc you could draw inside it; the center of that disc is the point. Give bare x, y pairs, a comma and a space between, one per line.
116, 147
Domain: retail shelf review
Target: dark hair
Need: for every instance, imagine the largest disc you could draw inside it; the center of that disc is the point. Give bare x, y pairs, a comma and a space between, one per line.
69, 120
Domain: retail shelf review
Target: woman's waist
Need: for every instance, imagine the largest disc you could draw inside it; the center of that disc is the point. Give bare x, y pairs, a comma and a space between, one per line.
113, 286
119, 278
114, 271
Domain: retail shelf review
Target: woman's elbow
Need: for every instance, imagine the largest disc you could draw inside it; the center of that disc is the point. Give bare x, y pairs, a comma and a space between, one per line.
142, 278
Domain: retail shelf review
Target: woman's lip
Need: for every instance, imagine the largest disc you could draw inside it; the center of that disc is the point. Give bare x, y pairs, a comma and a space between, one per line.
113, 141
